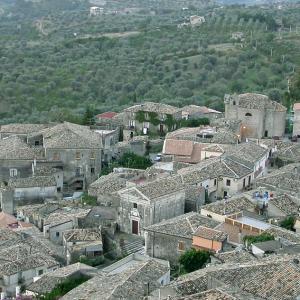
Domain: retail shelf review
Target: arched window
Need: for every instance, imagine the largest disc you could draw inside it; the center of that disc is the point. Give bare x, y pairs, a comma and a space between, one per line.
248, 115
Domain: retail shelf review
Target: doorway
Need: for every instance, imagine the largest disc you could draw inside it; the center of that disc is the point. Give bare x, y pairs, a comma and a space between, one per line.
135, 227
225, 194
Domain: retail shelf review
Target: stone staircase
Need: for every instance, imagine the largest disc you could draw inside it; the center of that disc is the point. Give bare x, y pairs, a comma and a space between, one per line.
133, 247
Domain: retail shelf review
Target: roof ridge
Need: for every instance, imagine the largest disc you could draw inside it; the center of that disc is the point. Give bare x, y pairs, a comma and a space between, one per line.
229, 168
187, 219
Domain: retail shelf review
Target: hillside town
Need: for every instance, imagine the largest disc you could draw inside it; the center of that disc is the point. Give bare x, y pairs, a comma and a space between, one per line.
153, 202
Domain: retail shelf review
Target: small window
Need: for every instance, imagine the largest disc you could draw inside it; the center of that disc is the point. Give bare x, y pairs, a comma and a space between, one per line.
77, 154
215, 182
248, 115
56, 156
233, 103
13, 172
40, 272
228, 182
57, 234
92, 156
134, 205
36, 143
181, 246
92, 170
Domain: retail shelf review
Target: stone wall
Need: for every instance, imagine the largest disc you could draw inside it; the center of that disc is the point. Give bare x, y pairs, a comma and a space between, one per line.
165, 246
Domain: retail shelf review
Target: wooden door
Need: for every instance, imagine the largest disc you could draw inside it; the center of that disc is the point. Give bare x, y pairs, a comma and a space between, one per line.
135, 227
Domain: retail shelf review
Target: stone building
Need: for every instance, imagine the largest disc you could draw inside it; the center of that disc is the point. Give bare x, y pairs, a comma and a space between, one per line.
21, 259
21, 130
148, 117
17, 158
74, 148
246, 280
62, 220
170, 238
150, 203
86, 242
128, 279
221, 177
296, 121
260, 116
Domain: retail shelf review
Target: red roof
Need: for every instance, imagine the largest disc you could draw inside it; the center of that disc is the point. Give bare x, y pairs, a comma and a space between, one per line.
107, 115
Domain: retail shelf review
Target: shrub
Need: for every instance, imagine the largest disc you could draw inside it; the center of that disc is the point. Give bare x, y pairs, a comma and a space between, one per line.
288, 223
194, 259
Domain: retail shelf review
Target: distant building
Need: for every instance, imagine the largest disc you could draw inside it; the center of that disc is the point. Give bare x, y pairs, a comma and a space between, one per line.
197, 20
96, 11
148, 117
296, 122
260, 116
237, 35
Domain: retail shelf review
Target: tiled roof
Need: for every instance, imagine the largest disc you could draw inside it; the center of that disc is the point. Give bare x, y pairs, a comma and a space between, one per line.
258, 101
49, 280
27, 263
286, 204
129, 284
192, 109
235, 256
210, 234
214, 294
70, 136
183, 226
161, 187
247, 153
14, 148
107, 184
286, 178
20, 253
19, 128
272, 279
35, 181
107, 115
230, 206
204, 135
178, 147
284, 234
43, 209
288, 151
77, 235
159, 108
65, 215
214, 168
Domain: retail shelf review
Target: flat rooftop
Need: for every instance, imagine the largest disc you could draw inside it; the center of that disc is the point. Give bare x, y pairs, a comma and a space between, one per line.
254, 223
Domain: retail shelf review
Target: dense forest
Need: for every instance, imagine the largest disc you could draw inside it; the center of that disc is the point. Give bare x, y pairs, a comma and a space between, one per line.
56, 60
